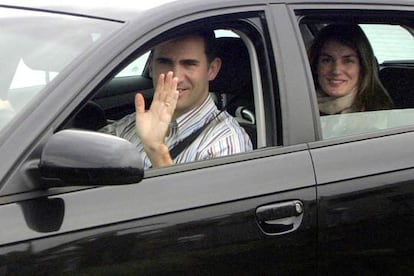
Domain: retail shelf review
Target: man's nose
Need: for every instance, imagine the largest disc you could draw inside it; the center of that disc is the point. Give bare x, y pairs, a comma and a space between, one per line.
178, 72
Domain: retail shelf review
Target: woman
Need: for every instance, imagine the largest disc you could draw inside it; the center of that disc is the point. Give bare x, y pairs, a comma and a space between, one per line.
345, 71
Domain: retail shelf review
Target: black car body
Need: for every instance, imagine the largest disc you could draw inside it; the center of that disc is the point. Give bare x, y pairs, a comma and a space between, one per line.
76, 201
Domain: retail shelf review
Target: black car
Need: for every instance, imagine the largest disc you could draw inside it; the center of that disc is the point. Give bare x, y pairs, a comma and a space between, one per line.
309, 199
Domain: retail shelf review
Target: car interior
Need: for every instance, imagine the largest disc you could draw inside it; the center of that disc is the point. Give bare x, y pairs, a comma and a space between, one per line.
232, 90
398, 78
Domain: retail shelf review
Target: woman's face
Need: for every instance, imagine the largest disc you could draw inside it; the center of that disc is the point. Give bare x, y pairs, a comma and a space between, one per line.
338, 69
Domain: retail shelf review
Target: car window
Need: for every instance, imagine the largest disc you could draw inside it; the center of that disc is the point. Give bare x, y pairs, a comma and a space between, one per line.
385, 81
242, 100
135, 72
390, 42
137, 67
34, 51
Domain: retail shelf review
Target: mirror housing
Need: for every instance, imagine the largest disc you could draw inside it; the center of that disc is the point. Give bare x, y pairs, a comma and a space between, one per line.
43, 214
85, 158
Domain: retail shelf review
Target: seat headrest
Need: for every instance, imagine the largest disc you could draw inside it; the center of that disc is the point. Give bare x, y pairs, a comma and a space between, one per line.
235, 73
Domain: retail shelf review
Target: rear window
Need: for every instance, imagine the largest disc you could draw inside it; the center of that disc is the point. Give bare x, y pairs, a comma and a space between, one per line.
390, 42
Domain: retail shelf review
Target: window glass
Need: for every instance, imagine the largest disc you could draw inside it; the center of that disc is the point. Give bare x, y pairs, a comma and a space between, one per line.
341, 125
34, 51
390, 42
27, 77
136, 67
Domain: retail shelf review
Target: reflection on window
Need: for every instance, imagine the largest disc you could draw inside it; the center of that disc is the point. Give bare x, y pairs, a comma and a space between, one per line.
340, 125
34, 50
26, 77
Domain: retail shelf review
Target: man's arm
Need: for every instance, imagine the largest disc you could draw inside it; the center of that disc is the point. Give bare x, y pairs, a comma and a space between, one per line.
152, 125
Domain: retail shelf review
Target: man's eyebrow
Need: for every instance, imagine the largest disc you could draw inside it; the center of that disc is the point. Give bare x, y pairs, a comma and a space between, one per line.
190, 61
163, 59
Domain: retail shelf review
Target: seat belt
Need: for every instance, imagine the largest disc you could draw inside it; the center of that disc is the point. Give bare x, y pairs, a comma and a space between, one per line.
183, 144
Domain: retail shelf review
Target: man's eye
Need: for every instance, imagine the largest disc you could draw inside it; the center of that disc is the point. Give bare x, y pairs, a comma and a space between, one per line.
162, 61
191, 63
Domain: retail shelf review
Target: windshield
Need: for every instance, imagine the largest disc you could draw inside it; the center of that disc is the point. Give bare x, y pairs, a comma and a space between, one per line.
35, 47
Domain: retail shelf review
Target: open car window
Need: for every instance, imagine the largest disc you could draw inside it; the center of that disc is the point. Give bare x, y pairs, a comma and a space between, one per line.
392, 43
238, 47
237, 98
137, 67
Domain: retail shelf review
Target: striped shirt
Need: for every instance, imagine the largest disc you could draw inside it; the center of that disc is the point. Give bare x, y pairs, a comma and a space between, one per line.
222, 136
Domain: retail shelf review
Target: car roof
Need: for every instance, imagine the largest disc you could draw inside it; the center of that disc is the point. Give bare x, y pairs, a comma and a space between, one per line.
124, 10
120, 10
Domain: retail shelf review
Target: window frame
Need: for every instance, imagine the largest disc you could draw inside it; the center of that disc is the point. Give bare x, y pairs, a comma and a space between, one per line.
252, 28
375, 14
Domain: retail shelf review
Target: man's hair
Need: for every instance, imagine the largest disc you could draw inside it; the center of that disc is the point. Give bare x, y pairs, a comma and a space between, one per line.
210, 45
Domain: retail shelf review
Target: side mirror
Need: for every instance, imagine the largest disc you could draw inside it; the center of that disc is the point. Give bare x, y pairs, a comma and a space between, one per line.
84, 158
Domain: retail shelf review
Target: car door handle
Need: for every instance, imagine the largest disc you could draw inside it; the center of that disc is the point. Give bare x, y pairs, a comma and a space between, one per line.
280, 218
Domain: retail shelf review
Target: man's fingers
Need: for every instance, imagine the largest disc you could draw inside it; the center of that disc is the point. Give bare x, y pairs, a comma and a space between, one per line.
158, 94
173, 83
166, 85
169, 84
139, 103
172, 98
171, 94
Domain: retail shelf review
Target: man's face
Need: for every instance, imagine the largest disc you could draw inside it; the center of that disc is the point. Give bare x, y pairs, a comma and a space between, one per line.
186, 58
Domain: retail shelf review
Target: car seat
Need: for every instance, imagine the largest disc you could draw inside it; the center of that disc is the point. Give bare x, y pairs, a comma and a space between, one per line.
399, 82
233, 87
90, 117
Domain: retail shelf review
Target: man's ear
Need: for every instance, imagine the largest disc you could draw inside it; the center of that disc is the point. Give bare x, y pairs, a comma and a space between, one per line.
214, 68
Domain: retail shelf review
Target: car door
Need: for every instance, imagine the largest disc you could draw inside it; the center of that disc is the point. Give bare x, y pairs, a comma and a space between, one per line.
252, 213
365, 204
365, 175
222, 219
